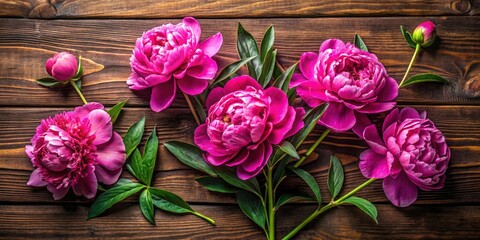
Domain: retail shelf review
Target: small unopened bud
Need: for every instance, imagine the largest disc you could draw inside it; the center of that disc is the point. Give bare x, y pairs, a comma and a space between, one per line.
62, 66
424, 34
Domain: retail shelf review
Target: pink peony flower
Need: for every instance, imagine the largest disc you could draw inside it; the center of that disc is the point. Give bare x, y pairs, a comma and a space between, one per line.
243, 123
351, 80
173, 54
62, 66
424, 34
412, 153
76, 149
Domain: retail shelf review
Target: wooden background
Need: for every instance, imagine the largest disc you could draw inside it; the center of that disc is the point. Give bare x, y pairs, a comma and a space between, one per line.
104, 32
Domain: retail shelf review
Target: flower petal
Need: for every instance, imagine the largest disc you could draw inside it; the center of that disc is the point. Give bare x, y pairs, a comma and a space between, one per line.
400, 191
211, 45
84, 110
111, 155
377, 107
391, 118
100, 126
283, 127
243, 174
36, 179
193, 24
389, 91
86, 186
371, 136
361, 122
240, 83
374, 165
307, 64
239, 159
58, 193
206, 69
163, 95
213, 97
278, 104
191, 85
297, 123
106, 176
338, 117
331, 44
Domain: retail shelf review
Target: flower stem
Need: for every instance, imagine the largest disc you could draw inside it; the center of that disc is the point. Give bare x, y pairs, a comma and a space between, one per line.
78, 91
271, 207
332, 204
190, 105
415, 54
211, 221
310, 150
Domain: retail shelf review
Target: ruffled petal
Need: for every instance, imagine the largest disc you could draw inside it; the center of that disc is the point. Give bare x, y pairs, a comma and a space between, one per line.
239, 159
58, 193
361, 122
163, 95
389, 91
206, 69
331, 44
374, 165
244, 174
214, 96
371, 136
280, 129
111, 155
377, 107
297, 123
400, 191
211, 45
193, 24
278, 104
100, 126
84, 110
307, 64
240, 83
36, 179
86, 186
106, 176
191, 85
338, 117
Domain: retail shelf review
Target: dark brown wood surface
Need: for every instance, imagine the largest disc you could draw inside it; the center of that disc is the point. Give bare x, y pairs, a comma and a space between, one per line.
104, 32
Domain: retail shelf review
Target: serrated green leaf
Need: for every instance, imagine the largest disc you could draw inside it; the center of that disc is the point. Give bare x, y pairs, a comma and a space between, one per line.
335, 176
230, 69
112, 196
267, 42
310, 181
216, 184
268, 66
311, 118
169, 202
424, 77
247, 47
358, 42
115, 110
190, 155
290, 197
408, 37
146, 206
289, 149
252, 206
133, 136
48, 82
283, 81
364, 205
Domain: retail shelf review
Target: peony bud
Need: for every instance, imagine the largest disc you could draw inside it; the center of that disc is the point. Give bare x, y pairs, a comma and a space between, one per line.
424, 34
62, 66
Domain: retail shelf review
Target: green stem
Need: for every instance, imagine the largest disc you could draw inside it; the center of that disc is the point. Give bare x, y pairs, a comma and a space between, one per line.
325, 208
271, 207
415, 54
211, 221
78, 91
310, 150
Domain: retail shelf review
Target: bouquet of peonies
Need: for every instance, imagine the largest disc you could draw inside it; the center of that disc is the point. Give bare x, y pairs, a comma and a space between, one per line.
251, 127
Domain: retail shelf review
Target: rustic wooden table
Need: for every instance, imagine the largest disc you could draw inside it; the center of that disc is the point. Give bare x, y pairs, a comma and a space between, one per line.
104, 32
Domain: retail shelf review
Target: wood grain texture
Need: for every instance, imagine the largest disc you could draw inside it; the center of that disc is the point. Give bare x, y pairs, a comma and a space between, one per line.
232, 8
126, 222
26, 44
459, 125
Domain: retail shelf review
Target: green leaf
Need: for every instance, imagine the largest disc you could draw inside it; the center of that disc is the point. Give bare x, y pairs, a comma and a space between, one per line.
190, 155
252, 207
310, 180
232, 179
200, 110
335, 176
150, 156
216, 184
115, 110
231, 69
79, 73
364, 205
247, 47
49, 82
290, 197
289, 149
123, 181
424, 77
292, 95
134, 164
169, 202
112, 196
408, 37
133, 136
358, 42
310, 119
267, 42
267, 69
78, 83
146, 206
277, 71
280, 171
283, 82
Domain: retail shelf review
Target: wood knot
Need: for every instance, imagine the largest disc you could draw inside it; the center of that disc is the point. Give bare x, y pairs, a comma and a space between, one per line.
472, 86
43, 9
461, 6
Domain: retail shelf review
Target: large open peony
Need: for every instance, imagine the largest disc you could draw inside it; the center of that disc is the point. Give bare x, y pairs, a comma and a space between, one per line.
352, 81
76, 149
243, 123
171, 55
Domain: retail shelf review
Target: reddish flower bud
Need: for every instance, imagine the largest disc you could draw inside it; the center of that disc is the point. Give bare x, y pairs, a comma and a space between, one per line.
62, 66
424, 34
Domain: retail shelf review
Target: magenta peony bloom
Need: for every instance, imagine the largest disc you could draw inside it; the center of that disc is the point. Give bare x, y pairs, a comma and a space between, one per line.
412, 153
351, 80
173, 54
243, 123
424, 34
62, 66
76, 149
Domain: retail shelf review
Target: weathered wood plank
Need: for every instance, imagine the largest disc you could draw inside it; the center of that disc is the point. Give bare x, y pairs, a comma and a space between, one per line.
26, 44
232, 8
458, 124
126, 222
